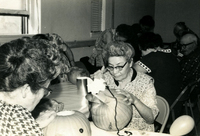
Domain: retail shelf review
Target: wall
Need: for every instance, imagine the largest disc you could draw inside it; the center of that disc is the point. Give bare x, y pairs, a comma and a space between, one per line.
169, 12
71, 18
131, 11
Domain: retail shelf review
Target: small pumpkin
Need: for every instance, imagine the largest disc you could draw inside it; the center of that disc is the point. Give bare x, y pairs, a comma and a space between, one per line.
76, 72
106, 114
69, 123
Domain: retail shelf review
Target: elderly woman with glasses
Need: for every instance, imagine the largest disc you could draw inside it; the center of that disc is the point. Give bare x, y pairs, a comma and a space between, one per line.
26, 68
138, 87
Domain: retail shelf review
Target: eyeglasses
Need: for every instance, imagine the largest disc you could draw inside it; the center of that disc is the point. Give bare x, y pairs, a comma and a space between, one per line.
47, 92
185, 45
119, 68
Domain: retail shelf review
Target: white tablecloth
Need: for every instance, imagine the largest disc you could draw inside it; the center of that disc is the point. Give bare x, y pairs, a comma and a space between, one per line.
67, 93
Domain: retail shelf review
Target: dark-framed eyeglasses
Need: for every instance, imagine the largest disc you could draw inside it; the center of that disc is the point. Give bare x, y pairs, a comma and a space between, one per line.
185, 45
119, 68
47, 91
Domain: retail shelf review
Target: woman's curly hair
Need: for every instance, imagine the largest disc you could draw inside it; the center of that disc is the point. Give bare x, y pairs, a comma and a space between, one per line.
27, 61
116, 48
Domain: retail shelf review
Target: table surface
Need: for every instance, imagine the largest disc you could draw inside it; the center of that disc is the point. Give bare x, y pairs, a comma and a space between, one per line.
67, 93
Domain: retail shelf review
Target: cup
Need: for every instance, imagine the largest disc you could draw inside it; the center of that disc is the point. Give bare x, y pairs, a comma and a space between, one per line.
81, 83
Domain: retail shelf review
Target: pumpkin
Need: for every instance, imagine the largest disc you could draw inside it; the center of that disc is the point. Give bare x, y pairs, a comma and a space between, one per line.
76, 72
69, 123
106, 114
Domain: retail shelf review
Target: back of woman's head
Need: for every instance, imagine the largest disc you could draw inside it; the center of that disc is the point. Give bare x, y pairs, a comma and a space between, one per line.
23, 61
147, 22
150, 40
124, 30
119, 49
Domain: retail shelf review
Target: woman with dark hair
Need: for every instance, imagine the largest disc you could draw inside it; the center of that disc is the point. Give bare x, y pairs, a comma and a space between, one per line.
25, 74
137, 87
160, 64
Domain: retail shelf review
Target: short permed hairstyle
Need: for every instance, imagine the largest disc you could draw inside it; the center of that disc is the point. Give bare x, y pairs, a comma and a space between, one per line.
116, 48
27, 61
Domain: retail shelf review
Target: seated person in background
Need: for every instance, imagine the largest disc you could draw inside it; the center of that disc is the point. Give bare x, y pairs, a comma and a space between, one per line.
59, 43
160, 64
95, 61
25, 73
179, 29
138, 87
67, 57
190, 62
125, 33
146, 24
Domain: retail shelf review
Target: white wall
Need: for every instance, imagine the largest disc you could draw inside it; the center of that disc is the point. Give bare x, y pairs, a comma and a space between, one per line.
71, 18
131, 11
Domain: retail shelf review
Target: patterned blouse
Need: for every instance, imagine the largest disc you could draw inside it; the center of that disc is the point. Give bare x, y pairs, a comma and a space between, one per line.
142, 87
190, 67
96, 58
17, 121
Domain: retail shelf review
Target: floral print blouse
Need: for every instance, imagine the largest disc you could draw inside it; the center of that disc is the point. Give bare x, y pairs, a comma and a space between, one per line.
96, 58
141, 86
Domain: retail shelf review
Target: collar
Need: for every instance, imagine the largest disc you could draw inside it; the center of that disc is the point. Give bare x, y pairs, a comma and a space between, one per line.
132, 78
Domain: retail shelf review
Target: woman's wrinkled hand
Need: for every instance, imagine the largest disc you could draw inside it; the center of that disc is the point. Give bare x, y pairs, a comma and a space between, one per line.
45, 118
130, 98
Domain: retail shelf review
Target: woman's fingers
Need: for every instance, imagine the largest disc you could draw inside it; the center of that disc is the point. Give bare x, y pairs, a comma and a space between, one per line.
128, 97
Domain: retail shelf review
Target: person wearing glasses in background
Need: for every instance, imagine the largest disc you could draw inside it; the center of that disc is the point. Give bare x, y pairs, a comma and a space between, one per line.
179, 29
138, 87
25, 73
190, 62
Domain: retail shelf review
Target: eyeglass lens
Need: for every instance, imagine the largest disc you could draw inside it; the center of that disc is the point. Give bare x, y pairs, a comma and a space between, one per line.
117, 67
47, 92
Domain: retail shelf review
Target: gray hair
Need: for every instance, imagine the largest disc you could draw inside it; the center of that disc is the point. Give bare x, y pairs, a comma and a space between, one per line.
117, 48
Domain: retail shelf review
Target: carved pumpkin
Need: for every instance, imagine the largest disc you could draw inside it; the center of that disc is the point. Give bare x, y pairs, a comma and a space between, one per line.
106, 114
69, 123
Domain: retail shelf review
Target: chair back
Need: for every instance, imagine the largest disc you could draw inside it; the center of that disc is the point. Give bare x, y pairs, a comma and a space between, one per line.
163, 114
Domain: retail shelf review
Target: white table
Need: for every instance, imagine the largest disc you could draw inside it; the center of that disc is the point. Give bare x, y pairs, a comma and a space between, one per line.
67, 93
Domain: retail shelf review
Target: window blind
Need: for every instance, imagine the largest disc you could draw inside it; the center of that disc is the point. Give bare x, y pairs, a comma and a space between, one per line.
96, 15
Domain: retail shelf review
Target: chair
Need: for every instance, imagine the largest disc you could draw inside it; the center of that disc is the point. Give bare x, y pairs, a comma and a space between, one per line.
184, 96
164, 111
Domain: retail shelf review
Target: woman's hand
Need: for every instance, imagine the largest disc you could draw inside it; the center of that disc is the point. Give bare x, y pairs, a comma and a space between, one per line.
130, 98
144, 111
45, 118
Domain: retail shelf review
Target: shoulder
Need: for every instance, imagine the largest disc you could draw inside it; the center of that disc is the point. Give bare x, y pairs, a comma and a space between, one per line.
144, 78
152, 56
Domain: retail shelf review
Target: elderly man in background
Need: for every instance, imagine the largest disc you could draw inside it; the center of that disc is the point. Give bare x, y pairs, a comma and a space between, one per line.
190, 62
